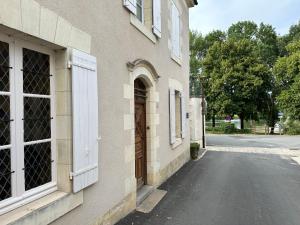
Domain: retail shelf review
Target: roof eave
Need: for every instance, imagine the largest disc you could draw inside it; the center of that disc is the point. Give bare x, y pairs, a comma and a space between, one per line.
191, 3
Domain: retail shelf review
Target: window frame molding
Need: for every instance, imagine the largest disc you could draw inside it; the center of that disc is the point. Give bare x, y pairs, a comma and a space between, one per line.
19, 196
177, 86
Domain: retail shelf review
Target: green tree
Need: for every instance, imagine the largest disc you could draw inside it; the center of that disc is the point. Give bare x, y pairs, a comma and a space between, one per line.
267, 42
235, 73
239, 67
199, 46
283, 41
243, 30
287, 76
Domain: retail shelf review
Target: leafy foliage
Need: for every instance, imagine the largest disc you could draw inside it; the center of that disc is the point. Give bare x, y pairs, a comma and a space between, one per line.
227, 128
287, 74
241, 76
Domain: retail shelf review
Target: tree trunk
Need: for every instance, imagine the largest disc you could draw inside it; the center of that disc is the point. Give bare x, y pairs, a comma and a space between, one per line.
242, 121
272, 124
213, 120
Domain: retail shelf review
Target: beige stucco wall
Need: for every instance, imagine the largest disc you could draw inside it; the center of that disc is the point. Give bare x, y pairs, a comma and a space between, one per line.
114, 41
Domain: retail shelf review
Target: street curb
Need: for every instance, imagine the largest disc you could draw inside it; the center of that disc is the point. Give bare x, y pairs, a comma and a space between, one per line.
255, 150
297, 160
251, 135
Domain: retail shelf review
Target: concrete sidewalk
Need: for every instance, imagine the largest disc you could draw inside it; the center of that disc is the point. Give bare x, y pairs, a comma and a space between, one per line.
229, 188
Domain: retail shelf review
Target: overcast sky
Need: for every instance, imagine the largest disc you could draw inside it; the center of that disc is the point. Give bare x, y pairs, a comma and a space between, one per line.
220, 14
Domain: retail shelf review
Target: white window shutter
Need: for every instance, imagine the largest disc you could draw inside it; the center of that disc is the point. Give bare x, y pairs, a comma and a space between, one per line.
183, 116
157, 18
172, 112
130, 5
85, 120
175, 31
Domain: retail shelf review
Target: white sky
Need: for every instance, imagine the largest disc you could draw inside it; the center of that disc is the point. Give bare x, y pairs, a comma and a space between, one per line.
220, 14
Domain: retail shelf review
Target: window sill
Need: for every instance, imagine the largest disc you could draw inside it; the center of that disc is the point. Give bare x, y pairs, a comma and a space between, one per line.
177, 143
44, 210
142, 28
176, 59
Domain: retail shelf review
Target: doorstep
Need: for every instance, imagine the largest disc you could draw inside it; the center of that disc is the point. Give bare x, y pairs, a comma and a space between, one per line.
143, 193
151, 201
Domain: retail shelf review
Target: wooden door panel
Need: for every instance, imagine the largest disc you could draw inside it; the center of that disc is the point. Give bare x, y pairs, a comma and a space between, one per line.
140, 143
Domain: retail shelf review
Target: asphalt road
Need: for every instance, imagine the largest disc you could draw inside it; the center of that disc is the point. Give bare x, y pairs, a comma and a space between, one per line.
229, 189
269, 141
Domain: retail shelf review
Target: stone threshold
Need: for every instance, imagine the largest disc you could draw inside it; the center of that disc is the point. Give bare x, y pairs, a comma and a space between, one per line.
143, 193
151, 201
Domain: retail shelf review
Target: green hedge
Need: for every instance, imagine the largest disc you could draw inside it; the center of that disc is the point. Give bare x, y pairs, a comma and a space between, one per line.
227, 128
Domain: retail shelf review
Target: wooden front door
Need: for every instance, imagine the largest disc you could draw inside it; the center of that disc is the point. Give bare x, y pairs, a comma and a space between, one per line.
140, 134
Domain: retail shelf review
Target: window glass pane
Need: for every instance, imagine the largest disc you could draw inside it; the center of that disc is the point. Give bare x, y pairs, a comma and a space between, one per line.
36, 72
139, 10
5, 174
37, 161
4, 66
5, 157
178, 114
4, 120
37, 119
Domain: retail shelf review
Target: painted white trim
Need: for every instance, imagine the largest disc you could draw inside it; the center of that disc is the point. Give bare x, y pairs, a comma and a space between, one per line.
82, 171
5, 93
5, 147
82, 66
130, 5
19, 195
36, 96
177, 58
37, 142
177, 86
13, 203
157, 17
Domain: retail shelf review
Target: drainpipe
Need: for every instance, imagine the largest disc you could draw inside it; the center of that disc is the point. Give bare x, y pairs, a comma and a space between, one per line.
202, 78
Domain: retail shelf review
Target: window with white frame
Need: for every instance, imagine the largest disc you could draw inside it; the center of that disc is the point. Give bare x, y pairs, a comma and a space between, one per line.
140, 10
148, 12
175, 32
27, 151
177, 117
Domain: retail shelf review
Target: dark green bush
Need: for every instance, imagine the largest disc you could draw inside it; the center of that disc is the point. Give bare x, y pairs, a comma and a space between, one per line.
292, 128
195, 147
227, 128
